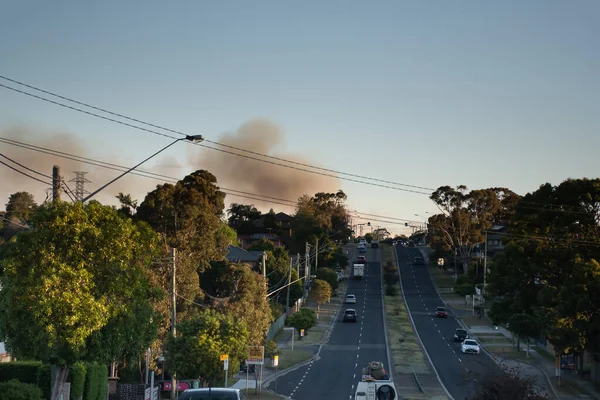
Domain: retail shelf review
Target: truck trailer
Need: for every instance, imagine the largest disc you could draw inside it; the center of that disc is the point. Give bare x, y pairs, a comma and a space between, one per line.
358, 271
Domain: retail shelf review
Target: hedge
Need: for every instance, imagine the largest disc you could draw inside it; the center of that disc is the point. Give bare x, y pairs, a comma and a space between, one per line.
15, 390
77, 374
96, 382
22, 371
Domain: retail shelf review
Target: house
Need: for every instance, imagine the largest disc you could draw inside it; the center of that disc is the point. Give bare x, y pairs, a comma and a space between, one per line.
494, 243
284, 231
239, 255
248, 240
4, 356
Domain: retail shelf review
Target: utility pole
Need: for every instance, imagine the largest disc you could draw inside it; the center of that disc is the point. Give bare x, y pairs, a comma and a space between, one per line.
287, 299
484, 269
298, 264
173, 315
264, 264
56, 183
306, 267
317, 256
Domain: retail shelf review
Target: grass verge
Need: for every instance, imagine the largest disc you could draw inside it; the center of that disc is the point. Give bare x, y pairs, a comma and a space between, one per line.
406, 352
288, 358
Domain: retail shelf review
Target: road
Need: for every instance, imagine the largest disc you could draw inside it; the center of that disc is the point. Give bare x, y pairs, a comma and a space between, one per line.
350, 347
454, 368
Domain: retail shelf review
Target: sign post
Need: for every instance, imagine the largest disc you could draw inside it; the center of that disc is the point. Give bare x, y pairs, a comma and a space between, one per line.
225, 359
293, 334
256, 356
276, 365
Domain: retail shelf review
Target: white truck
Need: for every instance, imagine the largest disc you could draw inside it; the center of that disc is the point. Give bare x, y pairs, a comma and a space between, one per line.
375, 384
358, 271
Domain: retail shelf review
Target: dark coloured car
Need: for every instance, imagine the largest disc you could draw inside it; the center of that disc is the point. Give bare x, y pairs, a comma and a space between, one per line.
441, 312
419, 261
350, 315
213, 394
460, 335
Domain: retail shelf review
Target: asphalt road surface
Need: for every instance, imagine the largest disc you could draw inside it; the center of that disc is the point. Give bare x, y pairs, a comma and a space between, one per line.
350, 347
457, 371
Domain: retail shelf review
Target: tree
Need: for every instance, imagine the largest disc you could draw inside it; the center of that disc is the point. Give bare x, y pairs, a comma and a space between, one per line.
328, 275
20, 207
242, 293
323, 213
270, 222
508, 386
195, 351
380, 234
242, 217
525, 326
322, 292
303, 319
465, 217
187, 216
71, 280
369, 237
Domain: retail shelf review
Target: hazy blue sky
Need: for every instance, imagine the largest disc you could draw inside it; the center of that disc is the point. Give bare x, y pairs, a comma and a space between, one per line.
482, 93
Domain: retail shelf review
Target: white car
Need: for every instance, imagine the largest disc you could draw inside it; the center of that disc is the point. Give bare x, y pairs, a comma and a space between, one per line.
350, 299
360, 246
469, 346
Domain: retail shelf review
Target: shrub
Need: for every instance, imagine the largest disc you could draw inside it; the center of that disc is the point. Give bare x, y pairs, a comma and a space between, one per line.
22, 371
271, 348
15, 390
460, 279
464, 289
44, 380
391, 290
96, 382
303, 319
77, 375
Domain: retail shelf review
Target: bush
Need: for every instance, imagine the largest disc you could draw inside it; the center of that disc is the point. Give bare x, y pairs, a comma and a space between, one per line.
464, 289
44, 380
271, 348
460, 279
303, 319
77, 375
328, 275
15, 390
391, 290
96, 382
22, 371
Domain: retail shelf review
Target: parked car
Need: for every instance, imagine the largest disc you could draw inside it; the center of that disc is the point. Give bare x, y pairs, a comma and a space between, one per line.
213, 393
460, 335
469, 346
350, 315
441, 312
350, 299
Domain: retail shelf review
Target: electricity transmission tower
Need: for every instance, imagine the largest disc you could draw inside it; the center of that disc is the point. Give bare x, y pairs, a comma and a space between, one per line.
80, 182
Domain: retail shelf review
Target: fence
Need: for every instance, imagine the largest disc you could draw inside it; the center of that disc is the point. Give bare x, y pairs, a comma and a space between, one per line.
280, 322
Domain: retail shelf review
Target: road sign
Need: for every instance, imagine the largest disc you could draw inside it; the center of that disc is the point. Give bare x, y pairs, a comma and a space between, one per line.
275, 361
256, 355
301, 332
226, 364
440, 261
224, 357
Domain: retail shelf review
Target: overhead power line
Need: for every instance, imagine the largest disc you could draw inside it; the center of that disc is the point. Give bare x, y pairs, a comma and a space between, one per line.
25, 173
163, 178
325, 171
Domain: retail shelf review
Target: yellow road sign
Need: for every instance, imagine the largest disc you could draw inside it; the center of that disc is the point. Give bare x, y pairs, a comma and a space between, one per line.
224, 357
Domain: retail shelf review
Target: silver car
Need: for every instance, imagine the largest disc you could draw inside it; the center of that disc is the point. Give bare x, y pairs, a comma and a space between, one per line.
350, 299
213, 394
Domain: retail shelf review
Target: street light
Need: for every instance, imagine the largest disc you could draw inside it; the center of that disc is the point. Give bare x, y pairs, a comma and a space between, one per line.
191, 138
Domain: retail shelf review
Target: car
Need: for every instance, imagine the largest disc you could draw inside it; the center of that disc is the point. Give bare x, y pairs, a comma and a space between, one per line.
460, 335
441, 312
360, 246
419, 261
213, 393
350, 299
362, 249
469, 346
350, 315
375, 244
361, 259
394, 243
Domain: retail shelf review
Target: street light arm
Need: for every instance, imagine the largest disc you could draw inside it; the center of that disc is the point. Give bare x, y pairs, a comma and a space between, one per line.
195, 138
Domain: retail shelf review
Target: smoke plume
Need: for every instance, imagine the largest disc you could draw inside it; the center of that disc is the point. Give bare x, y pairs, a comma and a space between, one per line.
11, 181
252, 176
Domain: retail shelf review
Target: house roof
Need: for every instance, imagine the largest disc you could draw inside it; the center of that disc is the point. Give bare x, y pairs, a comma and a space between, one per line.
237, 254
283, 217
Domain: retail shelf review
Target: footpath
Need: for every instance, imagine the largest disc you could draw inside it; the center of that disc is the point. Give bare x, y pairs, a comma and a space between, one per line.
305, 349
501, 344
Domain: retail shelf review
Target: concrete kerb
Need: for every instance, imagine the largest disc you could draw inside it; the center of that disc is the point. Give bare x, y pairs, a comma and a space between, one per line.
485, 349
385, 329
412, 322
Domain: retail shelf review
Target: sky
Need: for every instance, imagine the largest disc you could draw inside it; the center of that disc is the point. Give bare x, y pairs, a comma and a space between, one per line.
481, 93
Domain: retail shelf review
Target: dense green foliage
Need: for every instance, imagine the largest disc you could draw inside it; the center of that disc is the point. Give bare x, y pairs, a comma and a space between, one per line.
15, 390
